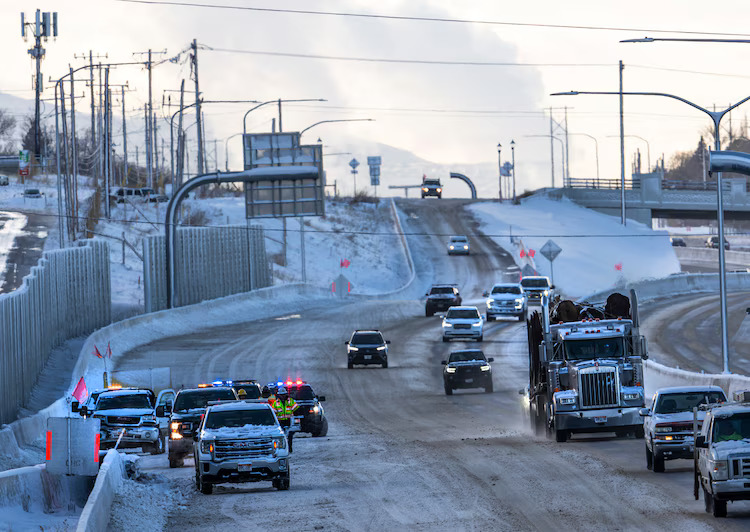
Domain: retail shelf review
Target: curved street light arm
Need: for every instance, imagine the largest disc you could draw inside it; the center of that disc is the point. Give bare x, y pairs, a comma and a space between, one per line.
341, 120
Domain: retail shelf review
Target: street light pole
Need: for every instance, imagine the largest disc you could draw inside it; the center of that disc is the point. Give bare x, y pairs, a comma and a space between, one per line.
562, 155
513, 166
648, 147
499, 173
226, 149
596, 151
279, 101
716, 117
623, 219
332, 121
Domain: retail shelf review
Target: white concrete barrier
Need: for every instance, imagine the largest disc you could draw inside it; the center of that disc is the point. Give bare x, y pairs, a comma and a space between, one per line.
711, 255
659, 376
95, 515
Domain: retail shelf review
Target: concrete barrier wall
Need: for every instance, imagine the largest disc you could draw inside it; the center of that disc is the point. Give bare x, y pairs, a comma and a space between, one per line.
711, 255
66, 295
659, 376
95, 515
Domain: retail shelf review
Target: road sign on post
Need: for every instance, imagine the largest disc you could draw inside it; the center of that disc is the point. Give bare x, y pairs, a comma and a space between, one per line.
551, 250
354, 163
374, 164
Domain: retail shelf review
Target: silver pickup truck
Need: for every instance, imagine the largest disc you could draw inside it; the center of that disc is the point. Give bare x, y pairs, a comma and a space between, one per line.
722, 461
240, 441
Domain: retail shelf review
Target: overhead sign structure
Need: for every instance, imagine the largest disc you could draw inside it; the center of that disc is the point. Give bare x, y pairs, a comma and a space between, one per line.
550, 250
374, 164
290, 177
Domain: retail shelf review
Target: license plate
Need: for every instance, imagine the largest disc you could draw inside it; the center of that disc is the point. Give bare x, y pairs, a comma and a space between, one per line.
244, 468
469, 381
600, 419
368, 357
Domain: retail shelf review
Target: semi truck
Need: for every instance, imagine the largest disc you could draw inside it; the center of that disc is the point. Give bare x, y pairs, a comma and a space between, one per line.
586, 368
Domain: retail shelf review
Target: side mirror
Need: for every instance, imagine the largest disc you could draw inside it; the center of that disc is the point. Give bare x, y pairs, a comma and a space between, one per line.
700, 442
163, 410
443, 362
521, 392
644, 412
388, 341
75, 406
346, 343
427, 294
485, 294
491, 359
552, 287
321, 398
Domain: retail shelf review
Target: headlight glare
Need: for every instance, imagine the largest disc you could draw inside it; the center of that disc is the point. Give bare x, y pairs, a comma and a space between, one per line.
450, 369
486, 367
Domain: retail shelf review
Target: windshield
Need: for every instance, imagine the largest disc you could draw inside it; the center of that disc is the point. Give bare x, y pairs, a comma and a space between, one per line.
442, 290
671, 403
506, 290
432, 182
251, 391
458, 239
528, 282
367, 338
732, 428
200, 398
239, 418
591, 349
465, 356
302, 393
469, 313
112, 402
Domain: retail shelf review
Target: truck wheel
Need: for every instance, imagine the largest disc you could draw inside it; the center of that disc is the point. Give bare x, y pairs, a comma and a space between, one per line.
640, 433
281, 484
561, 436
720, 508
489, 388
448, 390
206, 488
521, 317
445, 338
658, 464
323, 429
480, 339
385, 364
490, 318
649, 459
158, 446
708, 500
350, 365
176, 461
428, 312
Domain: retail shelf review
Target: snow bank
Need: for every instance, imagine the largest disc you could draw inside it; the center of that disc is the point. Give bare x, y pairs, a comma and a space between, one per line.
597, 252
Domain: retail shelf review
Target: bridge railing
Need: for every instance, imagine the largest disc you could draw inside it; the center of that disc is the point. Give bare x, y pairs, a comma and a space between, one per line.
606, 184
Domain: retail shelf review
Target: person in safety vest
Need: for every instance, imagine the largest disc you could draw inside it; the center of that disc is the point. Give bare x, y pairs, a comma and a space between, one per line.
266, 393
285, 406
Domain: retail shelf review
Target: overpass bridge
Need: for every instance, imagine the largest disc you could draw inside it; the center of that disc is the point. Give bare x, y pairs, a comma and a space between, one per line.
649, 196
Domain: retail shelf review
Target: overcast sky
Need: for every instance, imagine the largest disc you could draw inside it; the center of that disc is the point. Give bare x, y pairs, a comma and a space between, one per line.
450, 114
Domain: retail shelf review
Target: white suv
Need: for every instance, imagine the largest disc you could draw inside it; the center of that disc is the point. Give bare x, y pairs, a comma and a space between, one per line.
463, 322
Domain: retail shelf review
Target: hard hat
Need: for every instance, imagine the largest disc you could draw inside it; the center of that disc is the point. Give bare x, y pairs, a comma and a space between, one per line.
241, 393
281, 391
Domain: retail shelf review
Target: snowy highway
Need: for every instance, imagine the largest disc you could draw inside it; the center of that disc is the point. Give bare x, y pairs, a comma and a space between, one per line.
400, 454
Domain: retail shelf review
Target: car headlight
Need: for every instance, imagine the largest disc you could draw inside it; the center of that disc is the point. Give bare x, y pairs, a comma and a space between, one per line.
566, 400
424, 189
663, 428
381, 348
352, 348
207, 446
440, 190
719, 470
315, 409
452, 247
477, 324
447, 324
174, 426
466, 247
486, 367
519, 301
449, 369
279, 443
631, 396
546, 292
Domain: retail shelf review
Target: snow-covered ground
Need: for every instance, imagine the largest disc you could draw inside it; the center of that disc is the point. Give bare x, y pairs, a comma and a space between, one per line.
597, 252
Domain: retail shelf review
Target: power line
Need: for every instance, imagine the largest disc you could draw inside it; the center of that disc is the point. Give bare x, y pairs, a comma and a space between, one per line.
683, 71
425, 19
405, 61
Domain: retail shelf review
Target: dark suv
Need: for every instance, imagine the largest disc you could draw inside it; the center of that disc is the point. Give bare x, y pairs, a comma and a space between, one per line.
367, 347
188, 409
467, 368
441, 297
713, 242
308, 402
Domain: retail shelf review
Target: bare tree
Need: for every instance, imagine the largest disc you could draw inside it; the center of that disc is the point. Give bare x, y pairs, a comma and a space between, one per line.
7, 129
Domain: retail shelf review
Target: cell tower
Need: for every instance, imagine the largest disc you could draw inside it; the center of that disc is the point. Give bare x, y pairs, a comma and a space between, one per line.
44, 27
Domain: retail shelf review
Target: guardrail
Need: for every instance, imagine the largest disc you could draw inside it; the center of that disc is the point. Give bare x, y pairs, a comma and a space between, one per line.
67, 294
606, 184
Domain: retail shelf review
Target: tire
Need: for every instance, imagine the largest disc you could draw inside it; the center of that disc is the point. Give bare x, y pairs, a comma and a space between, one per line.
490, 318
621, 433
350, 365
480, 339
720, 508
708, 501
649, 459
640, 433
323, 429
522, 317
428, 312
489, 388
281, 484
440, 196
448, 389
176, 461
445, 339
385, 364
658, 464
206, 488
158, 447
561, 436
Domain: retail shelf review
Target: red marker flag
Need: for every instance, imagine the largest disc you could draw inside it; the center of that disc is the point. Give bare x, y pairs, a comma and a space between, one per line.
618, 266
80, 392
109, 351
344, 263
97, 353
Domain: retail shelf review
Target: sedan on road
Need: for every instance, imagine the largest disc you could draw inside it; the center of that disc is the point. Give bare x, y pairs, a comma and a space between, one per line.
459, 245
367, 347
463, 322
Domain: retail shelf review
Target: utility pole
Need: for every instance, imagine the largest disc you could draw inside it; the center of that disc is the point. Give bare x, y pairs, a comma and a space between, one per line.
150, 141
107, 142
622, 150
43, 27
74, 150
180, 150
567, 153
280, 115
124, 141
147, 145
198, 114
552, 147
155, 153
